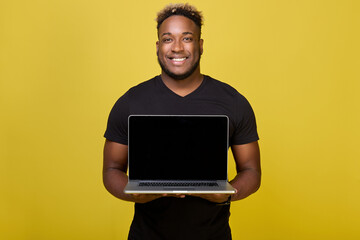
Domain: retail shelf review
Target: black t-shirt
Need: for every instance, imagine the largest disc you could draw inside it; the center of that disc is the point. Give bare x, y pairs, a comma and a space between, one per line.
191, 217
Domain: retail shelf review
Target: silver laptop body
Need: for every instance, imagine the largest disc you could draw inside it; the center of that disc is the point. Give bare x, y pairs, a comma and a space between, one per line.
178, 154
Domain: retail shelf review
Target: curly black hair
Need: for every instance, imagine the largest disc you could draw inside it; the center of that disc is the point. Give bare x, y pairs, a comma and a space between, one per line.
182, 9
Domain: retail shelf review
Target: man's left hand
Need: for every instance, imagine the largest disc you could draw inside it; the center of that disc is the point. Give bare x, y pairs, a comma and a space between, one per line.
216, 198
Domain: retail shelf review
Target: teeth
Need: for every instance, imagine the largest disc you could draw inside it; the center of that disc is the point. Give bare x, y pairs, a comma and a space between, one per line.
178, 59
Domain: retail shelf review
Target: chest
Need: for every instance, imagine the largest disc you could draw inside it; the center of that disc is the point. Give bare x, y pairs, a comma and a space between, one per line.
174, 105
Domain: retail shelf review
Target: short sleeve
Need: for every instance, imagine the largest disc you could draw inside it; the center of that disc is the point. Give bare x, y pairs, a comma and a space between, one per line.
246, 129
117, 125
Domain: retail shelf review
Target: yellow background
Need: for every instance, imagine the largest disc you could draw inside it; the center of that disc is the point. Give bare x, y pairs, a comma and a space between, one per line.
64, 63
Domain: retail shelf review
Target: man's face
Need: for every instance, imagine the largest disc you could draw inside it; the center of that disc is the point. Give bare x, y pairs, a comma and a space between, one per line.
179, 47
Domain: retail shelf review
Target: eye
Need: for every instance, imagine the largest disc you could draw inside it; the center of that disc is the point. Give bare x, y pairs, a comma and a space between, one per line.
187, 39
167, 40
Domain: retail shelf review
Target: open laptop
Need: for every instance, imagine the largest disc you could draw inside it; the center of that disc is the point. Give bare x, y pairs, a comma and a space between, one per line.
178, 154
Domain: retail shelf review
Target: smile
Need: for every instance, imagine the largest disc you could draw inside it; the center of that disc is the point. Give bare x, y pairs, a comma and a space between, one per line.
178, 59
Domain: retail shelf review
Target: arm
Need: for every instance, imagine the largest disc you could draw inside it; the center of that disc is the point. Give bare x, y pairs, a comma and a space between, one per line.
114, 173
247, 180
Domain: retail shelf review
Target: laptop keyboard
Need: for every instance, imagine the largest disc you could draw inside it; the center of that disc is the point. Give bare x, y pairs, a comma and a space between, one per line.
177, 184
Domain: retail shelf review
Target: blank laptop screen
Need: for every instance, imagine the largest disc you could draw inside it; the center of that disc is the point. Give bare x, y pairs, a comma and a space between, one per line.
178, 147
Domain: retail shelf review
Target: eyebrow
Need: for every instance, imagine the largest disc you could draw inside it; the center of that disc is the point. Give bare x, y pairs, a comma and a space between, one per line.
184, 33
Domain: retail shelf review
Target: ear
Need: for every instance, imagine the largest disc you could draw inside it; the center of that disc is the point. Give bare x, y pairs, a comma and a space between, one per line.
157, 46
201, 43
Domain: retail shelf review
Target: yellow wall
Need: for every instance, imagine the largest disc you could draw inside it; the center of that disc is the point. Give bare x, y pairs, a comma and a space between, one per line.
64, 63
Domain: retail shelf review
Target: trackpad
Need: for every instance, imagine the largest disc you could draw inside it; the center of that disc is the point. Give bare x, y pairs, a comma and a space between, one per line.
178, 189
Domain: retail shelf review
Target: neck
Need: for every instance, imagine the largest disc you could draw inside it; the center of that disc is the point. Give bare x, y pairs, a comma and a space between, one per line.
185, 86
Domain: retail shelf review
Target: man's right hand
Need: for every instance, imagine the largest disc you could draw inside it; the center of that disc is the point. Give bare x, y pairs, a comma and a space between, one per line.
144, 198
115, 178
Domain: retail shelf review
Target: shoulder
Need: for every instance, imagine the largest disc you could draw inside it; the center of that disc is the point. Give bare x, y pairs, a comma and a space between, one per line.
224, 89
141, 90
143, 87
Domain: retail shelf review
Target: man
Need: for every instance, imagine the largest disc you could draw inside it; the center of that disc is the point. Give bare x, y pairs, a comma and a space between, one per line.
182, 89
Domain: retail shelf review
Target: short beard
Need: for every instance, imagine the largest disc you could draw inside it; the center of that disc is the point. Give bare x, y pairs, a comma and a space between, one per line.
179, 76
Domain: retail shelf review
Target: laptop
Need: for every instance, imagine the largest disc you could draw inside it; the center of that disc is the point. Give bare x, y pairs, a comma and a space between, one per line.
178, 154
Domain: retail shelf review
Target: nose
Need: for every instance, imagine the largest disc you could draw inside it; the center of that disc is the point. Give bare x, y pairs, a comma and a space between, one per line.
177, 46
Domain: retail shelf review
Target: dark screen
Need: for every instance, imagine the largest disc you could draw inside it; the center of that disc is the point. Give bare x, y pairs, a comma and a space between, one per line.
178, 147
